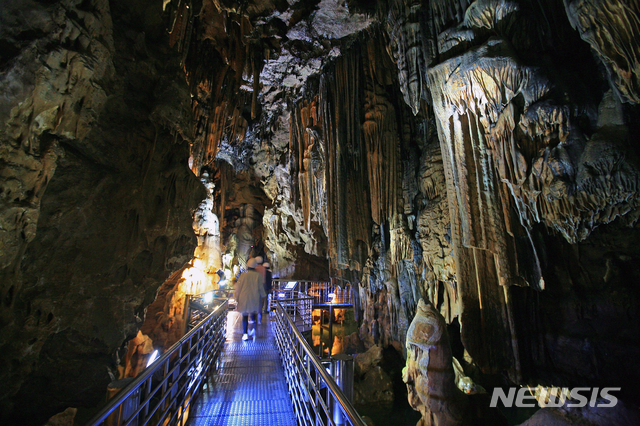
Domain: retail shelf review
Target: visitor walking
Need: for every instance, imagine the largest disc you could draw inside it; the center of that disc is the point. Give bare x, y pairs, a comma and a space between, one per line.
260, 267
262, 270
268, 285
249, 291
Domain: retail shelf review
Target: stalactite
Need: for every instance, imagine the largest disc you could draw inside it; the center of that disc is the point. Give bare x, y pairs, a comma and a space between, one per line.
180, 24
474, 154
413, 28
381, 135
612, 28
484, 259
406, 47
444, 12
308, 149
514, 158
218, 64
434, 235
345, 160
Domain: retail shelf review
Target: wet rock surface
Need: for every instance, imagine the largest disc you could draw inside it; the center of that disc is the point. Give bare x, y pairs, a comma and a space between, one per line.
96, 194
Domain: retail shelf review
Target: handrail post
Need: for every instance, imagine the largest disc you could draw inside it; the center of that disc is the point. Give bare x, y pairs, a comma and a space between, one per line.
342, 373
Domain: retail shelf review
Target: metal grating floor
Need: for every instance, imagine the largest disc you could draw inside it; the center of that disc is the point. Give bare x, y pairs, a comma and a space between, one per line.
249, 387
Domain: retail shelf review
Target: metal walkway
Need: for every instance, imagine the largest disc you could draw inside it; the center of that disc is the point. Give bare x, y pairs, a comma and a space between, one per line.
212, 377
248, 387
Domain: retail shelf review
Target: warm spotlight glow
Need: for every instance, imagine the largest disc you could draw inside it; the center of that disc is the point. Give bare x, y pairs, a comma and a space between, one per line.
195, 281
199, 264
227, 265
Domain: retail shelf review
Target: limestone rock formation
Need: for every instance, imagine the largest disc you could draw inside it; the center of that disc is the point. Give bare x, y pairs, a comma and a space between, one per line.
96, 194
139, 351
429, 372
367, 360
445, 154
206, 226
372, 384
611, 29
374, 387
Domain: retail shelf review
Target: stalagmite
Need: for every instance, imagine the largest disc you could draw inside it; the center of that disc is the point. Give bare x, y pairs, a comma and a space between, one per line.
429, 372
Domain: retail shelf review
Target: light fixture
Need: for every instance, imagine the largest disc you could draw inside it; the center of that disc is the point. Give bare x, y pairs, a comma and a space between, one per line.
154, 356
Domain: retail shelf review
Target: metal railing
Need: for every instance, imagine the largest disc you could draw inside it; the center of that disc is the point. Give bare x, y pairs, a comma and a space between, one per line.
317, 399
299, 310
329, 293
165, 391
323, 292
198, 306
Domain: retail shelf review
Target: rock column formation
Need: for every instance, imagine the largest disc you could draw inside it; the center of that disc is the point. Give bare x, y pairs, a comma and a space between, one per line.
429, 373
450, 151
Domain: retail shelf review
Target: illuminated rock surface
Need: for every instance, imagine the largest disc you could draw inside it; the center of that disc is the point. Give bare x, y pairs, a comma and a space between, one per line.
479, 155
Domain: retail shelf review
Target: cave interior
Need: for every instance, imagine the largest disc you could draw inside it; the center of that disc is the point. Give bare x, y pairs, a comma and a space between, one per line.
469, 165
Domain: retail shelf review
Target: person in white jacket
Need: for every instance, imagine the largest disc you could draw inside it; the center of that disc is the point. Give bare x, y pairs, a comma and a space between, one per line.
249, 292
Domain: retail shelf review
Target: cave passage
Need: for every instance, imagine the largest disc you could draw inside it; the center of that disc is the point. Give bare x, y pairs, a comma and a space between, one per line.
467, 171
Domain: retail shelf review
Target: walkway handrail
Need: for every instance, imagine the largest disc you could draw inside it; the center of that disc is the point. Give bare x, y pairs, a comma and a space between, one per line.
286, 329
300, 311
178, 374
323, 292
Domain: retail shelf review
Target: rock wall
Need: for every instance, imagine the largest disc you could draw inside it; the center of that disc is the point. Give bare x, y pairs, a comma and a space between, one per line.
523, 144
206, 225
97, 196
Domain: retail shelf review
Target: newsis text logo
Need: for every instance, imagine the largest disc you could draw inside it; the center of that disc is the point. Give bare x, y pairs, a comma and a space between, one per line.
554, 397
